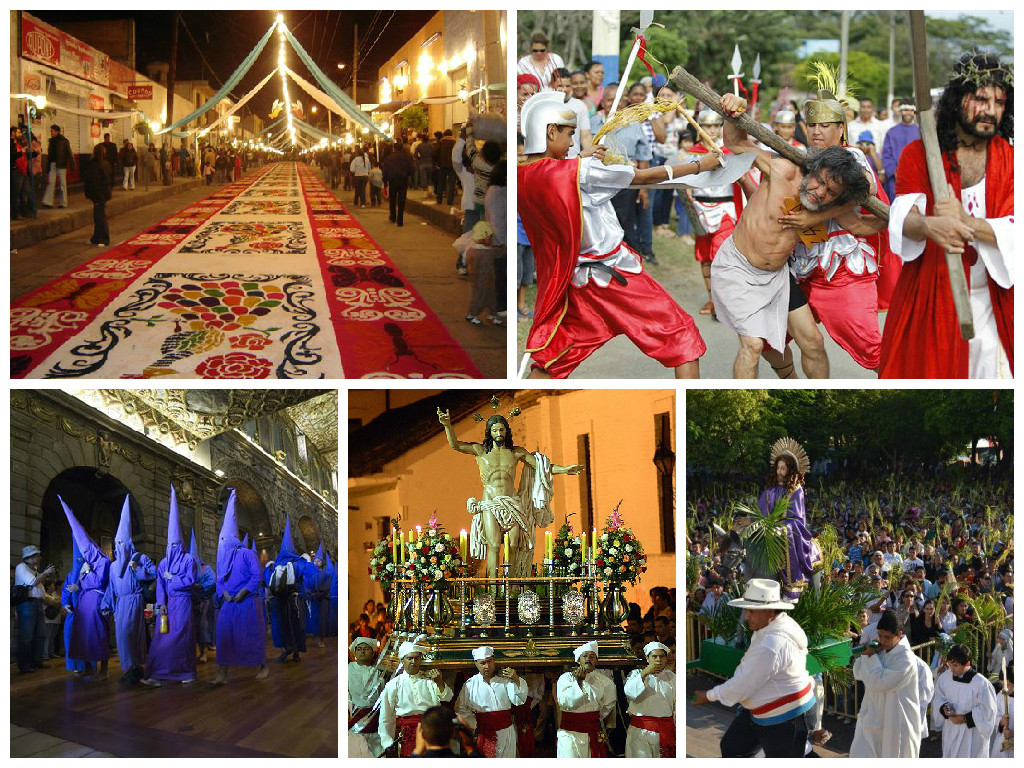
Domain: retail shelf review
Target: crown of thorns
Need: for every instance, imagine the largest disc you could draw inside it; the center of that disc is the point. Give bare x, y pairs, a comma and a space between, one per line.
980, 69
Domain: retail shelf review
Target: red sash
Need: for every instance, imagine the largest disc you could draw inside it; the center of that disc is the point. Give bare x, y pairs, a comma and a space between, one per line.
487, 725
407, 732
359, 714
590, 724
524, 727
665, 727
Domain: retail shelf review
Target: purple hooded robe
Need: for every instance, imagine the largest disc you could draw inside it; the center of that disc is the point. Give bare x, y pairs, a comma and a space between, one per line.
126, 592
70, 594
90, 633
172, 655
241, 623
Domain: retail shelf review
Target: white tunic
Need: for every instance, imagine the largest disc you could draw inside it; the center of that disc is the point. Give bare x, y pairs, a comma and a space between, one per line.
651, 696
595, 694
986, 357
602, 233
889, 721
976, 697
364, 686
925, 689
404, 695
997, 737
500, 694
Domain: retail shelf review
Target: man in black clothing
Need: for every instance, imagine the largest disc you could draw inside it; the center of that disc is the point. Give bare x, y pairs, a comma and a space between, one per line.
445, 171
60, 158
434, 736
97, 189
398, 168
110, 151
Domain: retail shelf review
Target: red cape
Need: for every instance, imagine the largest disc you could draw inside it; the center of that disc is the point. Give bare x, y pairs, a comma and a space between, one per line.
549, 205
922, 334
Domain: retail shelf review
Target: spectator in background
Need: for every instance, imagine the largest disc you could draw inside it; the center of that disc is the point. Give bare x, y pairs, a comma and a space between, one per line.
866, 142
398, 169
540, 62
110, 155
866, 121
896, 140
129, 159
654, 132
581, 139
424, 154
526, 268
526, 86
59, 157
468, 182
376, 183
97, 189
445, 170
594, 72
664, 150
360, 167
578, 82
19, 175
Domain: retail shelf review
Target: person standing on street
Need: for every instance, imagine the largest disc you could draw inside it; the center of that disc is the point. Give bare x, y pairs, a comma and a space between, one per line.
398, 169
129, 159
97, 189
360, 167
60, 157
28, 603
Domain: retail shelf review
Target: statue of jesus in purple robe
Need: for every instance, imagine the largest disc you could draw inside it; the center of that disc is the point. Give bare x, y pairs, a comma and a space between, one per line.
784, 481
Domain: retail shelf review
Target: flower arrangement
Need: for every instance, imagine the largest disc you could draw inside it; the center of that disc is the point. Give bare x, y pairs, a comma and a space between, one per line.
565, 552
620, 557
433, 558
382, 562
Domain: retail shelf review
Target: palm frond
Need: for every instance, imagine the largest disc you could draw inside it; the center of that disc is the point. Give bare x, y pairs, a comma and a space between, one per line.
765, 537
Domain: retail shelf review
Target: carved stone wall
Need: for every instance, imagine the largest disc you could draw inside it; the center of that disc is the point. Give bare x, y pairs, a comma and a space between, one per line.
51, 432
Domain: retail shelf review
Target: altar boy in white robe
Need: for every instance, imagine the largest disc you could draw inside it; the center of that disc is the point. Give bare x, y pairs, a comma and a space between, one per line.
889, 722
365, 681
586, 699
652, 706
966, 701
407, 696
486, 701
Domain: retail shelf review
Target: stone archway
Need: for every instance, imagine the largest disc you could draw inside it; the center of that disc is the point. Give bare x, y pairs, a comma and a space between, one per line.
252, 514
310, 535
96, 498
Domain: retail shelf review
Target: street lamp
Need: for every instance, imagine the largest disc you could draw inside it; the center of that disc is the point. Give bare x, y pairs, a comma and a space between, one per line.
341, 65
664, 459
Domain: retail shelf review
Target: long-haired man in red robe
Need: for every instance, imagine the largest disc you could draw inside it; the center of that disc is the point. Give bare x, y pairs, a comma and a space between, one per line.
591, 286
974, 123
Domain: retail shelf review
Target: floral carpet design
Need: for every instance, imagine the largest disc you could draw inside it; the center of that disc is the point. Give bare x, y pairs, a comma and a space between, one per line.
268, 277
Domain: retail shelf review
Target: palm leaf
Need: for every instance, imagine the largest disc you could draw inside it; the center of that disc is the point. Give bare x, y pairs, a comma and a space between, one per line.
765, 537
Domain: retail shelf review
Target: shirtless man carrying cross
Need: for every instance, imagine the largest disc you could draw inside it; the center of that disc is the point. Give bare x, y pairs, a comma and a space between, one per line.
750, 281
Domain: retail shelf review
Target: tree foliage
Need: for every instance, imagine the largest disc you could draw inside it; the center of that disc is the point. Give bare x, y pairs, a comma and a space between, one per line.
731, 431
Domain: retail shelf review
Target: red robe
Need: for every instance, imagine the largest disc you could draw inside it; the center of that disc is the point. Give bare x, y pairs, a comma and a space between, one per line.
922, 335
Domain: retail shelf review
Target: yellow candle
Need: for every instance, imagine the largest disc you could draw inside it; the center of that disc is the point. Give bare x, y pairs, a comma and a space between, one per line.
547, 545
419, 533
583, 548
394, 546
594, 540
506, 547
462, 544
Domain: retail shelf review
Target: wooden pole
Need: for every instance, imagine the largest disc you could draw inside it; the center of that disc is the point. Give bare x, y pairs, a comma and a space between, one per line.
686, 82
933, 160
355, 64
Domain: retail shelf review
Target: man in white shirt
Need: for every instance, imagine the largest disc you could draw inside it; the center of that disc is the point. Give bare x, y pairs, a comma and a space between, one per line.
581, 139
30, 609
889, 721
771, 682
866, 121
540, 62
485, 704
407, 696
586, 699
652, 706
365, 681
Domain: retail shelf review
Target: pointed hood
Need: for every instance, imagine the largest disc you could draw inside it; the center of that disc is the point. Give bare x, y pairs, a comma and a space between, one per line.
124, 548
193, 548
76, 565
245, 541
87, 548
228, 543
287, 553
174, 523
320, 554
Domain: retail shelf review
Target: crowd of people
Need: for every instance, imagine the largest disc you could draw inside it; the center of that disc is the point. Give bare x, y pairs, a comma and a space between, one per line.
510, 713
743, 234
166, 617
930, 553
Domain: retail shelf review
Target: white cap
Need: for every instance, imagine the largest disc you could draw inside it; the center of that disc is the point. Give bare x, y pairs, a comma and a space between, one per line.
591, 646
483, 652
27, 552
646, 80
363, 641
412, 646
654, 645
538, 112
785, 117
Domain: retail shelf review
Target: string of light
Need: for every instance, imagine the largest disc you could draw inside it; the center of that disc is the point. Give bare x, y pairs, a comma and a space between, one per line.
281, 67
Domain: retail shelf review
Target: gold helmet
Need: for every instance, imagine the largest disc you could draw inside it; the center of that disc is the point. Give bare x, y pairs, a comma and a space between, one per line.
833, 98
